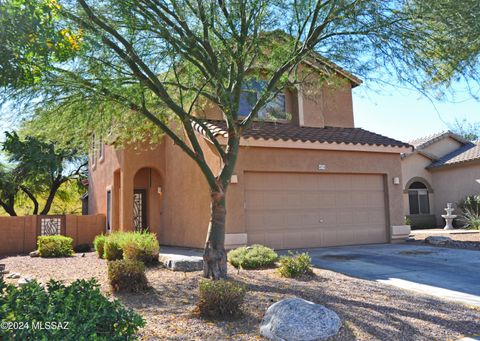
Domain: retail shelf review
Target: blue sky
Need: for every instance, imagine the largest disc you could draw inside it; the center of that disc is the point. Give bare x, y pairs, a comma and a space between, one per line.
406, 114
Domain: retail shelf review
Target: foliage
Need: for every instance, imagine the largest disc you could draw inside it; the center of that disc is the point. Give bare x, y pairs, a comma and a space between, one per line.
89, 314
142, 246
252, 257
82, 248
295, 265
468, 130
99, 245
220, 299
112, 249
127, 275
55, 246
471, 202
407, 221
470, 219
470, 212
37, 169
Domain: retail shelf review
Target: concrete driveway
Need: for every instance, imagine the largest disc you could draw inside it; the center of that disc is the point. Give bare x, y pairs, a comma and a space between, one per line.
451, 274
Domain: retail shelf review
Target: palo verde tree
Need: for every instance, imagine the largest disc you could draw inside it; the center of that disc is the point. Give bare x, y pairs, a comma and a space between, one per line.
36, 169
106, 63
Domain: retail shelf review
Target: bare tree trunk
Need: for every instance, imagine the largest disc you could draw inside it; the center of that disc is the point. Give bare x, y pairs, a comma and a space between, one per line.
214, 256
51, 196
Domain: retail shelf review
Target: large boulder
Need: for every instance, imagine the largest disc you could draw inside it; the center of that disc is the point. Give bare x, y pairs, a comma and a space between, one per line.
181, 262
438, 240
299, 320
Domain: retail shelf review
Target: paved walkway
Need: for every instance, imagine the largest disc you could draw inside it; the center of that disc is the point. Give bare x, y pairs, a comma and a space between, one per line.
442, 231
451, 274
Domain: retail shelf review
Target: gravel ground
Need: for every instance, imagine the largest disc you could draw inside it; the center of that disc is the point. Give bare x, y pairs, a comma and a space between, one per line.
369, 310
474, 236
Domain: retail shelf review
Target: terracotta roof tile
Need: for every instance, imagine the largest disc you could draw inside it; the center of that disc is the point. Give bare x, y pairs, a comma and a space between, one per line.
422, 142
290, 132
467, 152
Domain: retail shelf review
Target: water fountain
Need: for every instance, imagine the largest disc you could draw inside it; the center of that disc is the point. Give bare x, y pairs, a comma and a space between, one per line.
449, 217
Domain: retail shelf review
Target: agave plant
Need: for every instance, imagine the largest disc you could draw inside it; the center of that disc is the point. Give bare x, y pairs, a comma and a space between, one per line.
471, 218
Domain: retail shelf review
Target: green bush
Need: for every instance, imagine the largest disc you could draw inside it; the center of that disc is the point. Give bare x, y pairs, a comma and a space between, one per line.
89, 314
295, 265
220, 299
141, 246
470, 219
55, 246
252, 257
470, 203
127, 275
99, 244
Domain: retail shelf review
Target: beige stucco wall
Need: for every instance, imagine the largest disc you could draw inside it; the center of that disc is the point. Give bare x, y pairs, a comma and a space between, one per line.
453, 183
442, 147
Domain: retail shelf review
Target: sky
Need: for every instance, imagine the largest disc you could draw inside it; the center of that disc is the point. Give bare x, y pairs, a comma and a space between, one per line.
407, 114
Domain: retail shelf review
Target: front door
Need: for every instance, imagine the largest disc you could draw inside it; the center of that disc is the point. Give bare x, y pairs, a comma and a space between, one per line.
140, 209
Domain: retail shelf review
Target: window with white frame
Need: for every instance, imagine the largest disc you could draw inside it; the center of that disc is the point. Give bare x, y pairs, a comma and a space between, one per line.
251, 91
418, 198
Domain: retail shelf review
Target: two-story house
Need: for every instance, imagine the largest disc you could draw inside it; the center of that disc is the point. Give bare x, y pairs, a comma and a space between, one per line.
308, 178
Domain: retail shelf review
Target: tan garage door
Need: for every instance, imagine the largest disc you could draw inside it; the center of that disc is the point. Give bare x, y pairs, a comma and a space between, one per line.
292, 210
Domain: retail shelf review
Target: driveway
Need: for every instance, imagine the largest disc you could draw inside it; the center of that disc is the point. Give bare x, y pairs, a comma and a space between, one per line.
451, 274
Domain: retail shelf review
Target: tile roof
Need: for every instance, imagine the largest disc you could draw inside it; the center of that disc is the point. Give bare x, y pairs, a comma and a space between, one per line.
422, 142
467, 152
290, 132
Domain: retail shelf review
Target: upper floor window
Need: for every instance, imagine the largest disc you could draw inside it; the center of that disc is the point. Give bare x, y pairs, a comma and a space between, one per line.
418, 198
251, 91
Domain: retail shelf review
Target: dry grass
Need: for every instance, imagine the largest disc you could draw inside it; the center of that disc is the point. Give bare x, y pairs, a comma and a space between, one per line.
369, 310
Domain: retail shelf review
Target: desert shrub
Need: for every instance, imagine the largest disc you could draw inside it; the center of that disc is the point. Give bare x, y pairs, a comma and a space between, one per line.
127, 275
99, 245
220, 299
295, 265
141, 246
90, 315
470, 203
80, 248
55, 246
470, 219
252, 257
113, 250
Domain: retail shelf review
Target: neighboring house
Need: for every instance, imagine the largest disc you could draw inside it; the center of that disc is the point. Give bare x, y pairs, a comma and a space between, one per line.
305, 179
443, 168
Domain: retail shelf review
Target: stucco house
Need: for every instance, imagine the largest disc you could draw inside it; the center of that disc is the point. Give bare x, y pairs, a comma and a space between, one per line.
306, 179
442, 168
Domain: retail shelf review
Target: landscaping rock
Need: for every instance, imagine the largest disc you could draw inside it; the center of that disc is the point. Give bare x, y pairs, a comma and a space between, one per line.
299, 320
34, 254
14, 275
181, 262
438, 240
24, 280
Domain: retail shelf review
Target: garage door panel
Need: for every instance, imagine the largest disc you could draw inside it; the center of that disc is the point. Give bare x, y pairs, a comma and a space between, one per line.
289, 210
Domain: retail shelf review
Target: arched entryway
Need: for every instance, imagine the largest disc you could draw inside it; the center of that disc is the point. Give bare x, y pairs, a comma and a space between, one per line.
147, 192
418, 200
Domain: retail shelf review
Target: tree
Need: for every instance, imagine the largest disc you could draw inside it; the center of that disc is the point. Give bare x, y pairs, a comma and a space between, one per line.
466, 129
37, 169
159, 62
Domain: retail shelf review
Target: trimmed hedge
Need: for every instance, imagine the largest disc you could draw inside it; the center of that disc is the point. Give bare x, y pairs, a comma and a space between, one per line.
55, 246
252, 257
127, 275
